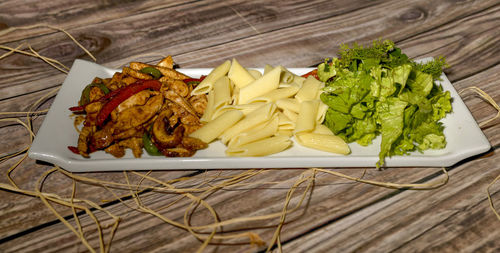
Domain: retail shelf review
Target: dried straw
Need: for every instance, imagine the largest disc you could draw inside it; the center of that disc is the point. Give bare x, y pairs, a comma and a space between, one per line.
495, 105
30, 27
492, 206
488, 99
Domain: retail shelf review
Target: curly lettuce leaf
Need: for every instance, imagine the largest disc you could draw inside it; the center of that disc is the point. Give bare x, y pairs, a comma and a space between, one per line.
390, 117
337, 121
441, 105
326, 70
349, 89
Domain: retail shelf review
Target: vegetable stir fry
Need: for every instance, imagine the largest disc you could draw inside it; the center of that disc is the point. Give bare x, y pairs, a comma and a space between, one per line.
143, 107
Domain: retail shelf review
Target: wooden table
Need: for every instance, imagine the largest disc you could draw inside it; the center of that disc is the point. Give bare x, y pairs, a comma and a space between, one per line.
337, 215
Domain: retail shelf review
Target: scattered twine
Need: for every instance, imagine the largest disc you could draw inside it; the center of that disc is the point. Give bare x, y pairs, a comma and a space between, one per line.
492, 206
495, 105
203, 187
488, 99
12, 29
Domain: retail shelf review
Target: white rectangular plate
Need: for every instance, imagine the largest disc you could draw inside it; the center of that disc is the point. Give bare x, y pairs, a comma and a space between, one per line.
57, 132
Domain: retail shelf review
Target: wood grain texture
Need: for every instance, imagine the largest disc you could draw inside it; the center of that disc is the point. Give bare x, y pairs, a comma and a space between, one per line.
169, 30
481, 110
67, 14
229, 35
234, 203
419, 221
29, 212
339, 215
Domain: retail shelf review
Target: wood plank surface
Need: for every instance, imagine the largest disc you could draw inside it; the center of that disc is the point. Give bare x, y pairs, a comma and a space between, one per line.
337, 215
198, 49
419, 221
231, 204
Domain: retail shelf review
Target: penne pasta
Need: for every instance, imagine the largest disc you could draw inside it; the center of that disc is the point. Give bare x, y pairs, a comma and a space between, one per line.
276, 94
291, 115
322, 108
236, 94
267, 129
209, 110
286, 85
290, 104
261, 86
262, 147
239, 75
322, 129
260, 100
222, 93
216, 127
245, 109
306, 120
299, 80
268, 68
309, 89
255, 73
261, 114
328, 143
207, 84
256, 114
284, 122
286, 76
284, 132
320, 90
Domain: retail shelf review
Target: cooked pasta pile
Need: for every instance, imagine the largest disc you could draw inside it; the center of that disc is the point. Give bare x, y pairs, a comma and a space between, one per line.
256, 114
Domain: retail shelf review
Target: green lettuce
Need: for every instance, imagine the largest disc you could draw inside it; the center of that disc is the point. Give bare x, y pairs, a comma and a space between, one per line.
378, 90
391, 120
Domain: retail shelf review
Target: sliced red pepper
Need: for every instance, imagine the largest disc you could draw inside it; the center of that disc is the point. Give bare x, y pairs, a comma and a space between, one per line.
74, 149
78, 108
313, 73
197, 80
122, 95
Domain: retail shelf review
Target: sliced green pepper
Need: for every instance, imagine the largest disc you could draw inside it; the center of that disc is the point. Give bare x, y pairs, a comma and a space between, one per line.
194, 81
149, 146
155, 73
85, 97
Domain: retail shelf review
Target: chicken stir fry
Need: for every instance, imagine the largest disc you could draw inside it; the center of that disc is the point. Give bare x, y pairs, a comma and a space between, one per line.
145, 107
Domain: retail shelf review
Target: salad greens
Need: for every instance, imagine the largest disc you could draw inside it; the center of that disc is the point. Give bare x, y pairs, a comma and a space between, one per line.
378, 90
